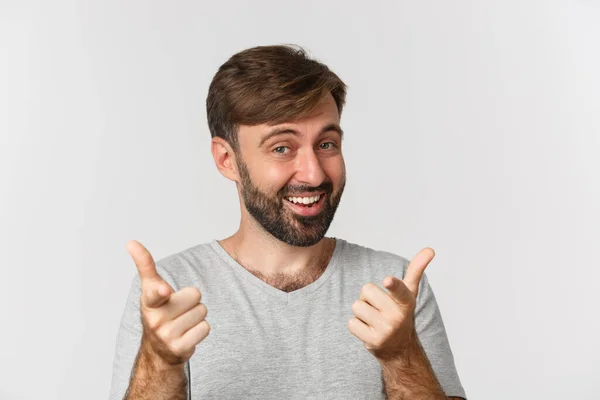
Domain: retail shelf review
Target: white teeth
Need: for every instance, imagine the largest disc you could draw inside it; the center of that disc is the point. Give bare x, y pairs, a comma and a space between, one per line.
304, 200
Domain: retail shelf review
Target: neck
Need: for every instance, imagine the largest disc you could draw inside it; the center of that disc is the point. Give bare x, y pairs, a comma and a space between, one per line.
260, 252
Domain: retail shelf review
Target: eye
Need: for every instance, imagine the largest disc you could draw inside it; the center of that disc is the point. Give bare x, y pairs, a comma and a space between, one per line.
331, 145
280, 149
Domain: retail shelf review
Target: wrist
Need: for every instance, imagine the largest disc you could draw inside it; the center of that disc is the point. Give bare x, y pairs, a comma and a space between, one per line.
155, 362
410, 350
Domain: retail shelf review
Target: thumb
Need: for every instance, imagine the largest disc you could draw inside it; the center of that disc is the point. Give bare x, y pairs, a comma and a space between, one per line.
416, 268
155, 291
143, 261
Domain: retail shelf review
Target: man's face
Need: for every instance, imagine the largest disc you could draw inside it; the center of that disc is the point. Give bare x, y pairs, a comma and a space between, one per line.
283, 167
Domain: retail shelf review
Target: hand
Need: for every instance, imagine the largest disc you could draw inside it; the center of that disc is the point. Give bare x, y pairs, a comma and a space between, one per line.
173, 322
385, 321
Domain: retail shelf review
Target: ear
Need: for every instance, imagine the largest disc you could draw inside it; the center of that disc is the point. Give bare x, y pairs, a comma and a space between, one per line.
224, 157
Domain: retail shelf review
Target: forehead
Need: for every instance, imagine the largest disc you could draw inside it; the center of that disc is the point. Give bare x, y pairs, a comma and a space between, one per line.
325, 113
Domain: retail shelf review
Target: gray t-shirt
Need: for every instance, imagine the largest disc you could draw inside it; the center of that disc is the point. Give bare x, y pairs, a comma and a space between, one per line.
268, 344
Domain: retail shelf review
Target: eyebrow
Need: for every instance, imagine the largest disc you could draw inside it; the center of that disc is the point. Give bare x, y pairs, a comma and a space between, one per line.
282, 131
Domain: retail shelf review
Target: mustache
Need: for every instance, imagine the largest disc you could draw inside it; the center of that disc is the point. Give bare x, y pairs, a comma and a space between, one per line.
327, 187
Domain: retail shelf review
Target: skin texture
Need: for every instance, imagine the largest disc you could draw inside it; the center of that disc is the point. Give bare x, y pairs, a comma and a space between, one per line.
271, 212
307, 161
286, 250
290, 282
173, 324
384, 321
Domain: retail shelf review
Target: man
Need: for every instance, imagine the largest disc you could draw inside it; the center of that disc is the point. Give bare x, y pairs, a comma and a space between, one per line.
293, 314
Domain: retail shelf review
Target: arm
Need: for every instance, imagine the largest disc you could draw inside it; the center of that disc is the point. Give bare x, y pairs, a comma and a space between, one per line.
430, 357
159, 331
411, 376
154, 379
404, 331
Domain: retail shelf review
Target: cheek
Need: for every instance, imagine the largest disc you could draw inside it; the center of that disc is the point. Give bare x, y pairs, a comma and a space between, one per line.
275, 178
335, 169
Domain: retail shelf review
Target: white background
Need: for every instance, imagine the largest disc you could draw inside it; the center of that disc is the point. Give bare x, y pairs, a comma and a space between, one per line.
472, 127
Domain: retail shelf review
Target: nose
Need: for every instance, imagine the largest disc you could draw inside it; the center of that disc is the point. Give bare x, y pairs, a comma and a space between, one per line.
308, 169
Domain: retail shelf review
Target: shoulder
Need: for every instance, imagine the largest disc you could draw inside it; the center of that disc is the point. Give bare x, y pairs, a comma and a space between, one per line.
372, 258
187, 265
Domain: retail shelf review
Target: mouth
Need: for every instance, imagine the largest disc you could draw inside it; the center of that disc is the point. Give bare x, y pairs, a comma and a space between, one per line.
306, 205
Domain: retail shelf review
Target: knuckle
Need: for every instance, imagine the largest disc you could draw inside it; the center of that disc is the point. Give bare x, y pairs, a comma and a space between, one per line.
167, 333
367, 287
388, 329
363, 291
207, 326
194, 294
153, 325
177, 348
202, 310
154, 322
378, 341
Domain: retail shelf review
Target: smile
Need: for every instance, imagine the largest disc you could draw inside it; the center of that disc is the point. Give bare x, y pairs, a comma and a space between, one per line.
304, 200
306, 205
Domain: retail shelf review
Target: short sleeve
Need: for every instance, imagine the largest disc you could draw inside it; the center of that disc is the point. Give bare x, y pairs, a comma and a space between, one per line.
432, 335
128, 342
129, 338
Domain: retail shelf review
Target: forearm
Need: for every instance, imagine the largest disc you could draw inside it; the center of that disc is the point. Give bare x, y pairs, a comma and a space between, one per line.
154, 379
410, 376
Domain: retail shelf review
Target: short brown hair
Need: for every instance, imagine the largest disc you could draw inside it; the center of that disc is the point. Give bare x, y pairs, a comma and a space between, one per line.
268, 84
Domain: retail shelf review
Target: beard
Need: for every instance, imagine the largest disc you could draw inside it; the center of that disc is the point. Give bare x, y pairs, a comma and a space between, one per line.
279, 220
